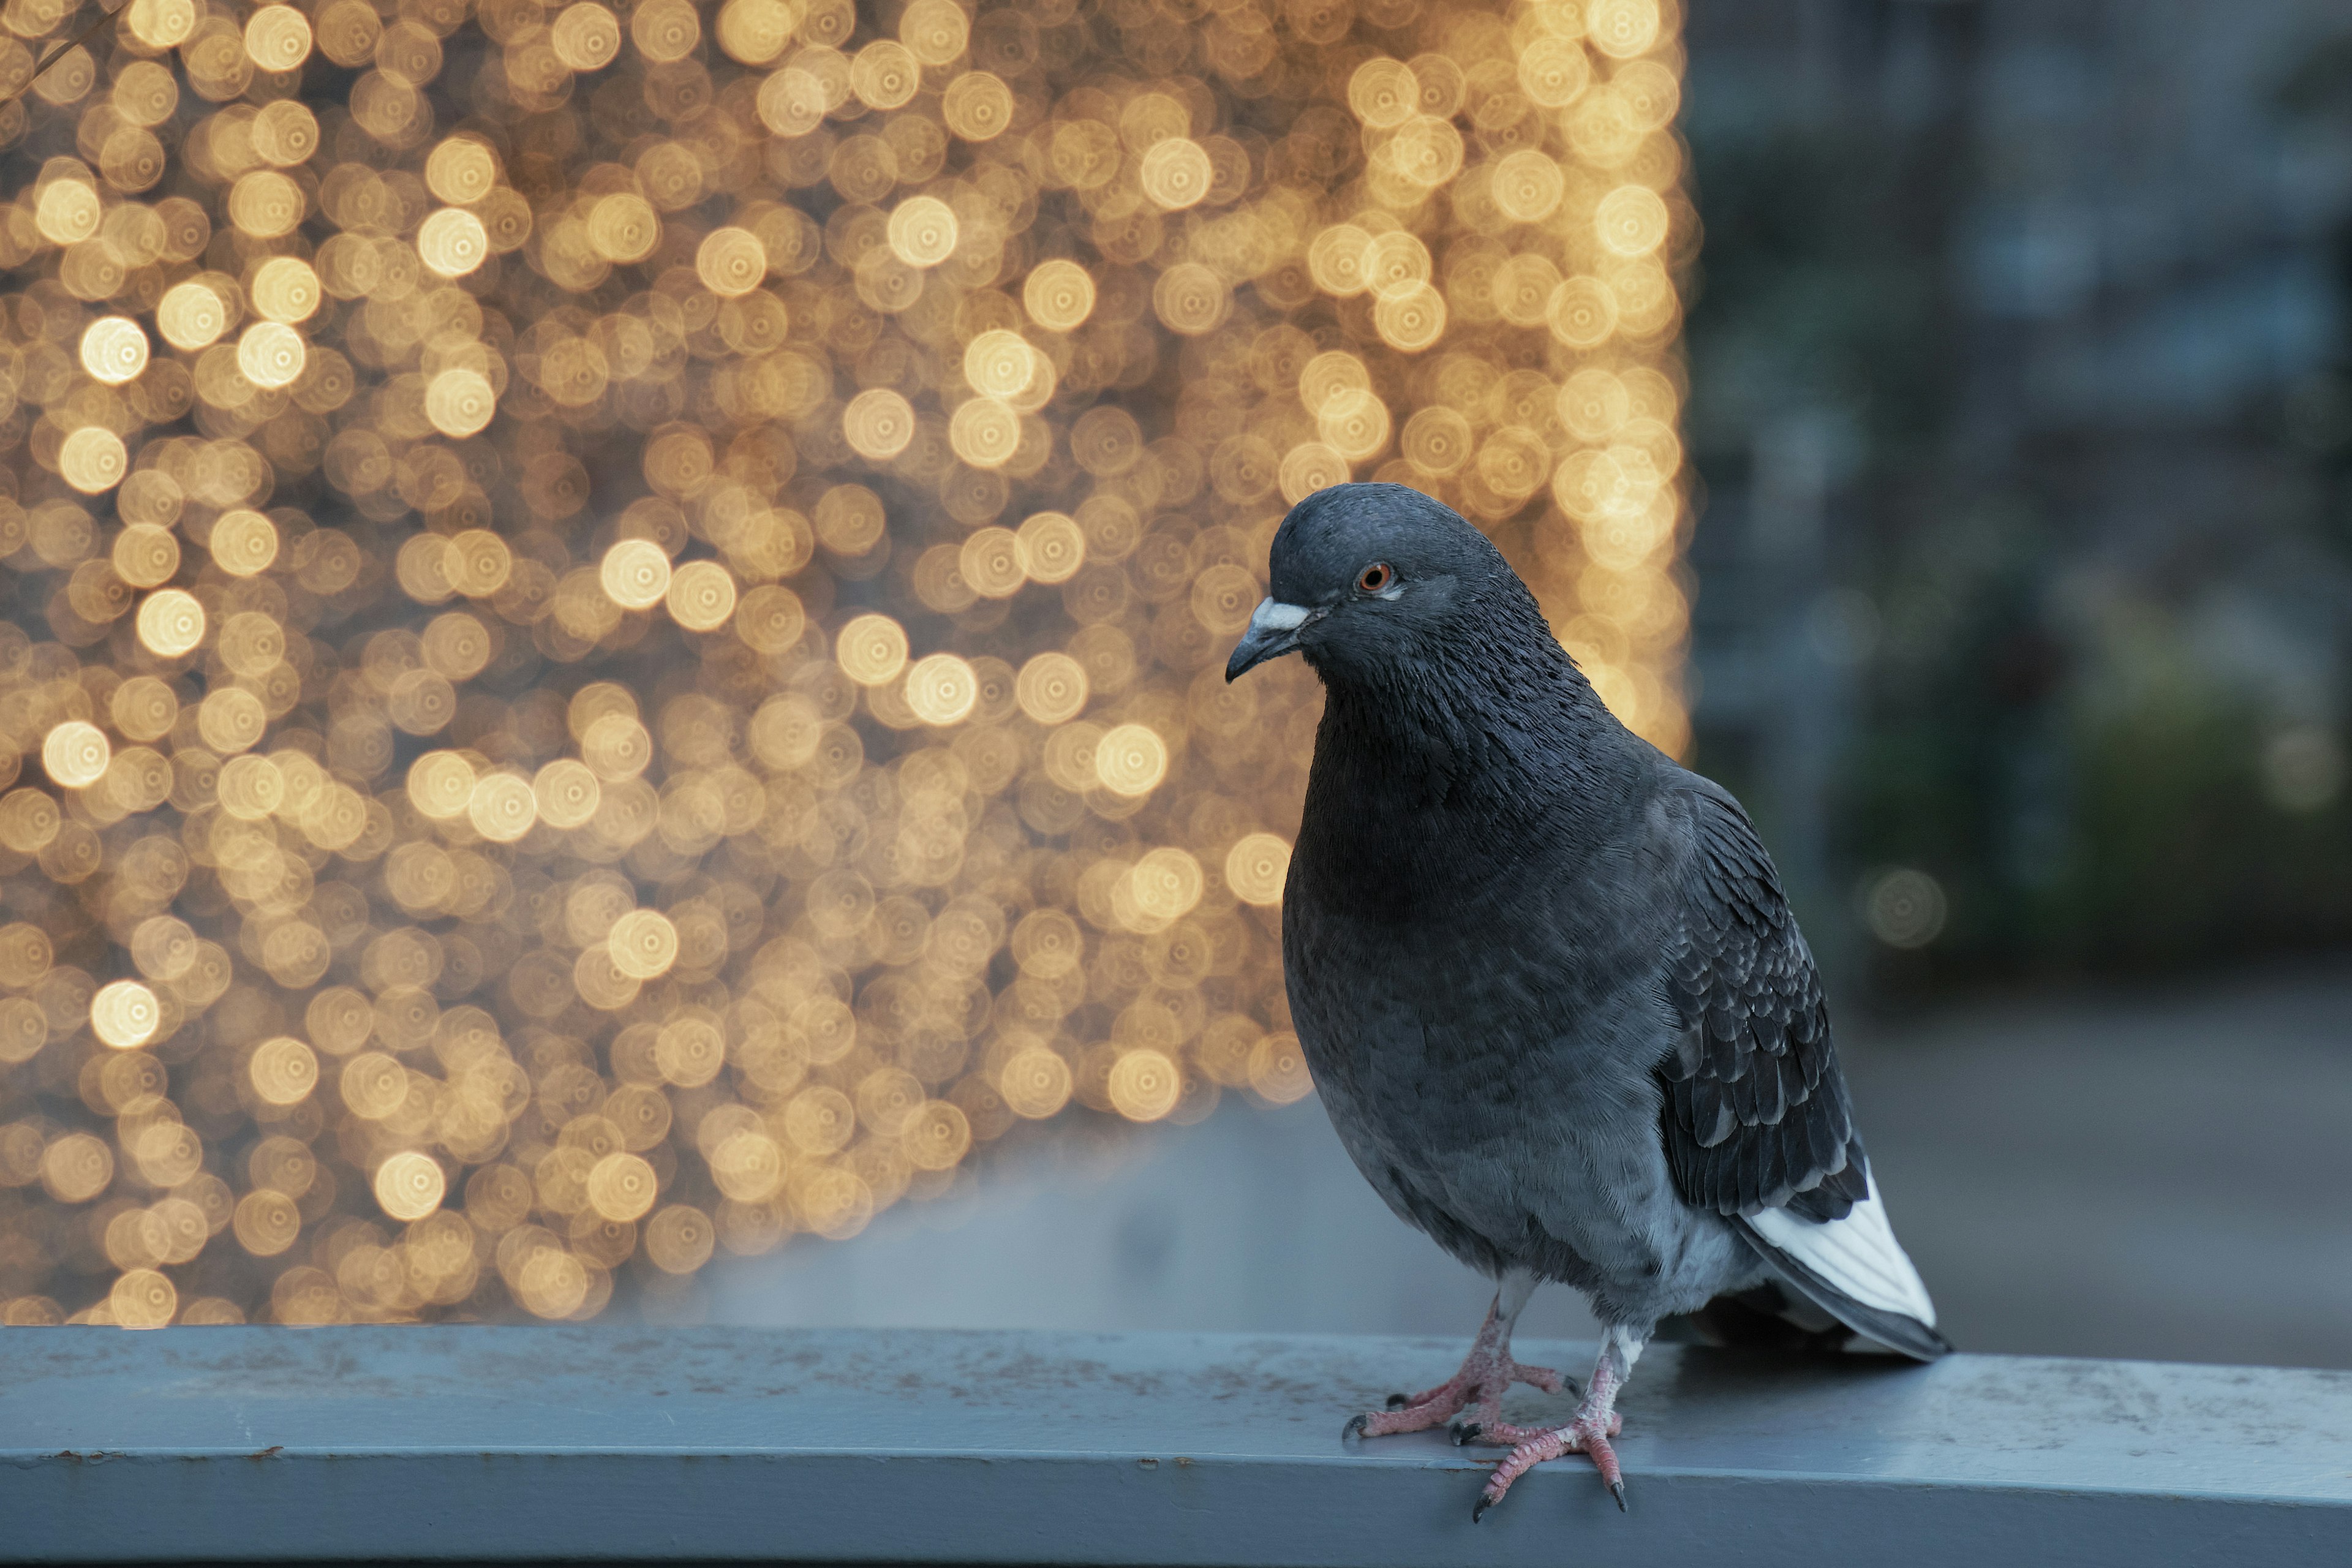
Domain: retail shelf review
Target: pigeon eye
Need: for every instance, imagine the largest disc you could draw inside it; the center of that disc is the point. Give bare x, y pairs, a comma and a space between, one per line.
1375, 577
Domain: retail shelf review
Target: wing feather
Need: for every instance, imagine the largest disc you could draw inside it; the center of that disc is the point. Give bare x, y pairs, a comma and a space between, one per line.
1755, 1112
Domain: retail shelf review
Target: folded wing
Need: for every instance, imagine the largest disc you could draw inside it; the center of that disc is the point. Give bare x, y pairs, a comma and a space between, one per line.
1755, 1118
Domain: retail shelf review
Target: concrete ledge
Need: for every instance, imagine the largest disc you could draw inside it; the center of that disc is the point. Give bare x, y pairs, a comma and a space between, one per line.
515, 1445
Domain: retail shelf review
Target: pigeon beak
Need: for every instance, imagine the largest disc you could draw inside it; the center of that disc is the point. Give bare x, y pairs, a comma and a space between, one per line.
1274, 629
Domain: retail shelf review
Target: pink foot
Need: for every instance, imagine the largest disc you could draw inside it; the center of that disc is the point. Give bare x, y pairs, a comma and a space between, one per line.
1488, 1373
1588, 1434
1587, 1431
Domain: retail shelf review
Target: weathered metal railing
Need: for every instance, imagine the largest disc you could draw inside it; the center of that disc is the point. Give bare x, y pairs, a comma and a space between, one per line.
510, 1445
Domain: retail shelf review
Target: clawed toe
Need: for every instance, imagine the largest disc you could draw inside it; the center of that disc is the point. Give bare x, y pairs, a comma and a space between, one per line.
1397, 1401
1464, 1432
1355, 1427
1588, 1435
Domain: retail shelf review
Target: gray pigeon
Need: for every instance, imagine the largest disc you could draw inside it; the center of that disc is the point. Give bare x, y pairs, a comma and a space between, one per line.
1547, 985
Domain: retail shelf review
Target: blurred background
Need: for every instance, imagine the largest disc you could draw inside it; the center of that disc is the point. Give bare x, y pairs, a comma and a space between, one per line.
2019, 345
612, 700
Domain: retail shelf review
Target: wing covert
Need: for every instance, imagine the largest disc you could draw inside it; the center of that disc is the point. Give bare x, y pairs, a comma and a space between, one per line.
1755, 1114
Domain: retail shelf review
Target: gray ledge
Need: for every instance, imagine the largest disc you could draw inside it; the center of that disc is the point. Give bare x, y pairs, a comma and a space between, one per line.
512, 1445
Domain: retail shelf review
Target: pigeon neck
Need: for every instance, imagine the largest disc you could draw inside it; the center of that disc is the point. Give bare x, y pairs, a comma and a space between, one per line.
1471, 755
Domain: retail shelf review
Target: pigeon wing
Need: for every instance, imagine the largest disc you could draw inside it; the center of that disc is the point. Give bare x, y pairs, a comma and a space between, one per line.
1754, 1113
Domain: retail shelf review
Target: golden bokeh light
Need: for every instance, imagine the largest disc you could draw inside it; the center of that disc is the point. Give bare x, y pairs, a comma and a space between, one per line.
93, 459
585, 36
701, 595
878, 422
277, 38
243, 543
1052, 688
635, 574
283, 1071
452, 242
171, 623
460, 402
146, 556
191, 316
285, 290
76, 753
462, 170
644, 944
731, 262
271, 355
1035, 1082
161, 24
623, 608
410, 1185
622, 1188
872, 649
1059, 295
124, 1014
1131, 760
942, 689
1144, 1085
1257, 867
143, 1297
114, 350
922, 231
502, 807
1050, 548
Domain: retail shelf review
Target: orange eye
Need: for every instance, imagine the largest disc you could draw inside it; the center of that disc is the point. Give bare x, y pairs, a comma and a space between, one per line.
1376, 576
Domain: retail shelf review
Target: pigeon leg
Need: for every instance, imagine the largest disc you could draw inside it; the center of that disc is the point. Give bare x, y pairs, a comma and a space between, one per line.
1486, 1373
1587, 1431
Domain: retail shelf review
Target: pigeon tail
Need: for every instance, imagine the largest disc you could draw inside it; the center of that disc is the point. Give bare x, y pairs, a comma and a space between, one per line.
1853, 1269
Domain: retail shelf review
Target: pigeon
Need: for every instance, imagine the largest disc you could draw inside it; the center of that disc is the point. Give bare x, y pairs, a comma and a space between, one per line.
1548, 988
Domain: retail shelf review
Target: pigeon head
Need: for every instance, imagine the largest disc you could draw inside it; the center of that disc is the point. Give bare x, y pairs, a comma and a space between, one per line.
1366, 577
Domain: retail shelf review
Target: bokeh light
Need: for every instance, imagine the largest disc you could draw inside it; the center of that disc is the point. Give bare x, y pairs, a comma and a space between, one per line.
622, 609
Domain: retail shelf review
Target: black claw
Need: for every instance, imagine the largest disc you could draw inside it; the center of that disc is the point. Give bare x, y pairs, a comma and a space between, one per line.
1465, 1432
1619, 1487
1355, 1427
1478, 1509
1399, 1401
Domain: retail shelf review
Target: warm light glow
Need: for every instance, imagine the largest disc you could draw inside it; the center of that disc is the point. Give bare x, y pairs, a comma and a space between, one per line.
1257, 867
124, 1014
502, 807
243, 543
872, 649
114, 350
942, 689
636, 575
171, 623
76, 753
286, 290
410, 1185
190, 316
623, 608
284, 1071
93, 459
701, 595
453, 242
1131, 760
644, 944
271, 355
1052, 688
